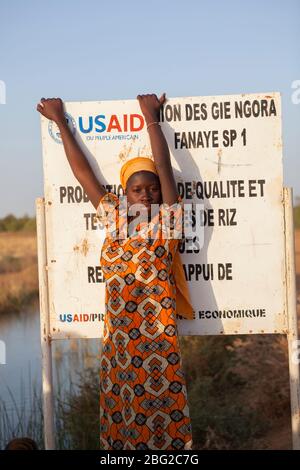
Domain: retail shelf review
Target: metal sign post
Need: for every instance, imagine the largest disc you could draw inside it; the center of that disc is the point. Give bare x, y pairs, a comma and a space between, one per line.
47, 380
292, 335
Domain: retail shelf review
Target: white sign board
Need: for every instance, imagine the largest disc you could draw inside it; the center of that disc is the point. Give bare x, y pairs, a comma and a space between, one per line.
227, 158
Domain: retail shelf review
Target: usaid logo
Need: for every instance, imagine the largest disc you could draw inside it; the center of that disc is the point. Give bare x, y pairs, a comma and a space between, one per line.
54, 130
114, 123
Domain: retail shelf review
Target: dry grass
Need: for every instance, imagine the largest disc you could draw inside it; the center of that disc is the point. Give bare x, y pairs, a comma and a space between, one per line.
18, 270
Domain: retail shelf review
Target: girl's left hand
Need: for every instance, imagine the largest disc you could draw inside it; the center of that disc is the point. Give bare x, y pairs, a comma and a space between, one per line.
150, 105
52, 108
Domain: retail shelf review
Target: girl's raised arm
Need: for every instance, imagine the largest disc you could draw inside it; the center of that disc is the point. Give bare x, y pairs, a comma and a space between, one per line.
52, 109
150, 107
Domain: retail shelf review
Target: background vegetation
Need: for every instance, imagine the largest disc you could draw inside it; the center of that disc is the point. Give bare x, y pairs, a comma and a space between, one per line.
10, 223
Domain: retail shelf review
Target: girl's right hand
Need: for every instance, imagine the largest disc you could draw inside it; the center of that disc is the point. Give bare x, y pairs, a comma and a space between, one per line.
52, 109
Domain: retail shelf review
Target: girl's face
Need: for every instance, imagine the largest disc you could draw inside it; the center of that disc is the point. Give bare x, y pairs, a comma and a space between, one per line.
143, 187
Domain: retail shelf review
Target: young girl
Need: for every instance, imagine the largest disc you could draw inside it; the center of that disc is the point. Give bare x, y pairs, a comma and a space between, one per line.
143, 399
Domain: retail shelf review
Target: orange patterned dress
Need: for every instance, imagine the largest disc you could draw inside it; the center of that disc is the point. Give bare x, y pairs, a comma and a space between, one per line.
143, 397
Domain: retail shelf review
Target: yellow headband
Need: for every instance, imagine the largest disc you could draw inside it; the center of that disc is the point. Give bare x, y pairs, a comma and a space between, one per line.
183, 302
133, 165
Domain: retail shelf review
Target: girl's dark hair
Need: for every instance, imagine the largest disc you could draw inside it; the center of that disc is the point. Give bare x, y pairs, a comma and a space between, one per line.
21, 443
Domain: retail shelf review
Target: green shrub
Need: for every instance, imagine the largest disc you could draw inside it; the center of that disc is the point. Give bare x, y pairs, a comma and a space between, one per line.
218, 393
297, 216
10, 223
79, 414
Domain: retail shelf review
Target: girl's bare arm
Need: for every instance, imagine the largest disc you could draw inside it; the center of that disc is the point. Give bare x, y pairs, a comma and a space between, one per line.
53, 109
150, 107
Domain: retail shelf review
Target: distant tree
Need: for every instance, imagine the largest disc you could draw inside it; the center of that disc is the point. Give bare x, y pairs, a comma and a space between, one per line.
11, 223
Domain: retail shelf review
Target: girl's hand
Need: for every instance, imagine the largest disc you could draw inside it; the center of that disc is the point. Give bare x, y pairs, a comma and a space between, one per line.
150, 106
52, 109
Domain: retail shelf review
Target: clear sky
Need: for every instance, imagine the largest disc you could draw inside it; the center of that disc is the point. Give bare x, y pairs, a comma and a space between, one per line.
92, 50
